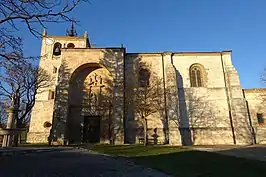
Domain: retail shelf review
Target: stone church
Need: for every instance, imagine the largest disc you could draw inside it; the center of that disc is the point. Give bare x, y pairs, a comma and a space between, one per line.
87, 103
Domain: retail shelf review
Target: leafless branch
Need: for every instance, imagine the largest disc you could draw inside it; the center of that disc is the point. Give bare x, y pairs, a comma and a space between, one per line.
22, 79
33, 14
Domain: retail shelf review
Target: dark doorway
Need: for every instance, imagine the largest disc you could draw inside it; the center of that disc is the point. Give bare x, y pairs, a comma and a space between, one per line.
91, 129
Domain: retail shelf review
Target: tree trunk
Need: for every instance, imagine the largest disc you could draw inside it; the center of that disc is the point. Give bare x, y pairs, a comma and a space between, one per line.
16, 138
145, 132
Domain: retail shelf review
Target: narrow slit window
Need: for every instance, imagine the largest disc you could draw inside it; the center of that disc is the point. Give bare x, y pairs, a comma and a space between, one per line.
260, 118
51, 95
55, 70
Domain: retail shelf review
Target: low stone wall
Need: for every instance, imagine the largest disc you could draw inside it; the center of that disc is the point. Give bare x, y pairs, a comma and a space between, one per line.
37, 137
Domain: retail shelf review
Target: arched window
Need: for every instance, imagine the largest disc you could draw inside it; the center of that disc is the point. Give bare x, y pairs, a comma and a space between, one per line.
144, 77
196, 73
70, 45
57, 49
51, 95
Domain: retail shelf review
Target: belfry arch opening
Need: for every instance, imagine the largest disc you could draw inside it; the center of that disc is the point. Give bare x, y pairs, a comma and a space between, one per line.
90, 104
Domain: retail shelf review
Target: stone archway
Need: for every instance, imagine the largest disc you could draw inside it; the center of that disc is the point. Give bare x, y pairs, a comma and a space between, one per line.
86, 61
90, 97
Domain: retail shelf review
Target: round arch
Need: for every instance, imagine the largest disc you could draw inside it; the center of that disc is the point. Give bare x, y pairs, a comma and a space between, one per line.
90, 95
86, 66
70, 45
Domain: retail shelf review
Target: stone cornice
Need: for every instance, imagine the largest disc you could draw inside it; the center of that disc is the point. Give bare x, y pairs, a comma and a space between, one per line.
66, 37
99, 49
255, 90
180, 53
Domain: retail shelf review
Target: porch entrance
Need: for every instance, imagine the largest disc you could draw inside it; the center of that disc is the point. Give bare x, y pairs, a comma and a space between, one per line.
91, 129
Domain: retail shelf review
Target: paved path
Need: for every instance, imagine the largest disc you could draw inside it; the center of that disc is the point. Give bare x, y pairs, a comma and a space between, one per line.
255, 152
70, 162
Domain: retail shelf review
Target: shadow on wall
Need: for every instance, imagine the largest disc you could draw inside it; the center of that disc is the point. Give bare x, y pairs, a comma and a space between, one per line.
70, 96
113, 60
183, 122
199, 120
79, 102
256, 120
60, 105
144, 101
133, 128
177, 102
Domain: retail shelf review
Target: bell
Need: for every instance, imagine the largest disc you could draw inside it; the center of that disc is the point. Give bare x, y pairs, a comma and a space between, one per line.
57, 50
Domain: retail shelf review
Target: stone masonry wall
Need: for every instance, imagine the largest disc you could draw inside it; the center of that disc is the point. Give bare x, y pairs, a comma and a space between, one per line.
72, 60
256, 102
196, 115
41, 112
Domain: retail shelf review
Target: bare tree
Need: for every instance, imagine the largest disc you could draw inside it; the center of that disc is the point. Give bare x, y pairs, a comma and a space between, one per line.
263, 80
3, 114
19, 84
263, 76
30, 13
147, 96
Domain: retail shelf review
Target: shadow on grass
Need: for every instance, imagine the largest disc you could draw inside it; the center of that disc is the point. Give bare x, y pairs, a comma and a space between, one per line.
207, 164
184, 162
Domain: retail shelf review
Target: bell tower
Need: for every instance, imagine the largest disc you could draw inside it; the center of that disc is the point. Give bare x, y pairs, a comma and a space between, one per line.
52, 53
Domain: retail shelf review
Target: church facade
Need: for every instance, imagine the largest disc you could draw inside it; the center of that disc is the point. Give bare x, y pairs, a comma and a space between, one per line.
202, 100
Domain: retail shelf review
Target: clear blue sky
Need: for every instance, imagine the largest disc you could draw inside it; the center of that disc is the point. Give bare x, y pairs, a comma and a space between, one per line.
176, 25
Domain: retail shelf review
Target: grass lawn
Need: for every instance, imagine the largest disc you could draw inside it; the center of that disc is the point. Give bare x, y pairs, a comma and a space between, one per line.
184, 162
33, 145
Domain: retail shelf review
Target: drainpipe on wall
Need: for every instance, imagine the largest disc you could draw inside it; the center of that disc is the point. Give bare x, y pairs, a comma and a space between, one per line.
228, 101
165, 105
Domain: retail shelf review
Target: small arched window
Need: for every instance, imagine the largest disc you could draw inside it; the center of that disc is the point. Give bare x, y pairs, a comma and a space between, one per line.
144, 77
51, 95
196, 73
57, 49
70, 45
